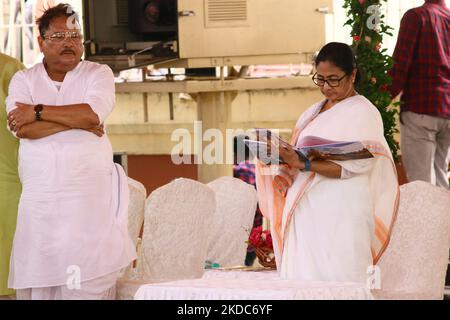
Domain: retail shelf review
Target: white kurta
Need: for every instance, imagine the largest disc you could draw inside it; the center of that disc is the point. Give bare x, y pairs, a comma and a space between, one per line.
329, 236
73, 207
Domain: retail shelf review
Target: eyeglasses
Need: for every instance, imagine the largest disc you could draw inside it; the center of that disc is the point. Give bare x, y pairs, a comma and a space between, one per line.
61, 36
331, 82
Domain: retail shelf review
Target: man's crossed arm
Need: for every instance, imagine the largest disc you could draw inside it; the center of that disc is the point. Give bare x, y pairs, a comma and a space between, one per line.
22, 120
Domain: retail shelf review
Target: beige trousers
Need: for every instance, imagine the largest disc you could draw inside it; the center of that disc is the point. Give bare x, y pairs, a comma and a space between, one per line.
103, 288
425, 144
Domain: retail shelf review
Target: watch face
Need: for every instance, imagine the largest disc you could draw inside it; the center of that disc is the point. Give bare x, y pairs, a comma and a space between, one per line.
38, 108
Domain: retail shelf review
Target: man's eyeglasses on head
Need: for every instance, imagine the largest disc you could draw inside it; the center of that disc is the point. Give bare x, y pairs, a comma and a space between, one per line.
331, 82
61, 36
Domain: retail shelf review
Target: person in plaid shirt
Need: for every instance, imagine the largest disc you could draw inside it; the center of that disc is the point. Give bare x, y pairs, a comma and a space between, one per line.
244, 169
422, 72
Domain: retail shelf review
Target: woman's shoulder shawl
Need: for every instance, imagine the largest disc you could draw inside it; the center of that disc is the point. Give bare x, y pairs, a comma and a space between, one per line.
305, 118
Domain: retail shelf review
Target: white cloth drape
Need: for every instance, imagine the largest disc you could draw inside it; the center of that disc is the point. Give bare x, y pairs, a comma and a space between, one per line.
252, 289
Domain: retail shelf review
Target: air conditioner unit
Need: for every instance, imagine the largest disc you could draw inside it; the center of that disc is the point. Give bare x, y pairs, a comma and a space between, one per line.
202, 33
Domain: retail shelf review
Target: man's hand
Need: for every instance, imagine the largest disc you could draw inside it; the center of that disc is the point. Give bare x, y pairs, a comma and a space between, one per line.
22, 115
99, 131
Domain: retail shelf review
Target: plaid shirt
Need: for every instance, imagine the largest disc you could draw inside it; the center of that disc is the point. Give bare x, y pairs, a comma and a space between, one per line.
421, 60
246, 172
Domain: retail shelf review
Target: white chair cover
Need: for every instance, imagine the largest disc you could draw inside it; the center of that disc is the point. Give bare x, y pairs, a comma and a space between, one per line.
177, 220
233, 220
415, 262
136, 208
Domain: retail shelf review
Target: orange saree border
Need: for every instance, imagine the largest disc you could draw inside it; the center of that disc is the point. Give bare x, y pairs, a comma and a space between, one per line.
382, 233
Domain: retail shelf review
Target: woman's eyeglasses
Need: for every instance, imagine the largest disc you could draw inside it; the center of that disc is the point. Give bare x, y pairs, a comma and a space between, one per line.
62, 36
331, 82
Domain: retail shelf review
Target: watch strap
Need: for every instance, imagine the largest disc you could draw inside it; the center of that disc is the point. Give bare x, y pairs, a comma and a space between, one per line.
38, 111
305, 160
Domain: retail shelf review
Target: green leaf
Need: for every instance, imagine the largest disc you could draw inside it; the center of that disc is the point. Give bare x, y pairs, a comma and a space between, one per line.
374, 64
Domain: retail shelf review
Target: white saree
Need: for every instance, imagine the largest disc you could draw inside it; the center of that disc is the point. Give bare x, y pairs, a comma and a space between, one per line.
334, 229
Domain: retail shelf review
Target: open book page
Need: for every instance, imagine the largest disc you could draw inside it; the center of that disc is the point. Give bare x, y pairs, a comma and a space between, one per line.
319, 148
267, 135
259, 149
337, 151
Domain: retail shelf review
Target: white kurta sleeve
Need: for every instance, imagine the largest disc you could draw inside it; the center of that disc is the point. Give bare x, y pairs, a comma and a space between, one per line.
18, 91
101, 93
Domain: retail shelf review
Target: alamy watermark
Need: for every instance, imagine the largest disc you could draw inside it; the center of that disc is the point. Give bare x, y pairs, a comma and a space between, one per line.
214, 146
375, 16
73, 281
374, 278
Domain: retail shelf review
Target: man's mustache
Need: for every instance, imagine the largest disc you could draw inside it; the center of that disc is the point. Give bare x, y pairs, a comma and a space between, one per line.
67, 51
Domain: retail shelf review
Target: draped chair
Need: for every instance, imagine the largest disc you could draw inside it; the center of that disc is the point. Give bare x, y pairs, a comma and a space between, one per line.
138, 195
415, 262
176, 224
233, 220
136, 208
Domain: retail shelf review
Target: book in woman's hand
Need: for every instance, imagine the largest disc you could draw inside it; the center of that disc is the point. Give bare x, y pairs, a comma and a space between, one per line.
260, 150
313, 147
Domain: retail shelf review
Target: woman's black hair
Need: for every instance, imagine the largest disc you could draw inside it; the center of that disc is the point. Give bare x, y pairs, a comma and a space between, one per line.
341, 55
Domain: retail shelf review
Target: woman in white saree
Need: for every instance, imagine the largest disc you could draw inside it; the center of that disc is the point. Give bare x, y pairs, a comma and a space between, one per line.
331, 220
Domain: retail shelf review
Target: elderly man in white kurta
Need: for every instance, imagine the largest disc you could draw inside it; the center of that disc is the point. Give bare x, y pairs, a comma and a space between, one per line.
71, 239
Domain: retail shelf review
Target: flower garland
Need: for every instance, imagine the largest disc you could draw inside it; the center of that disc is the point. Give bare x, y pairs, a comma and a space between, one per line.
368, 29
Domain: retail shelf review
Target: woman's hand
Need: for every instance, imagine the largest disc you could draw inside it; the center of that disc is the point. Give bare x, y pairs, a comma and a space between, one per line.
286, 153
290, 156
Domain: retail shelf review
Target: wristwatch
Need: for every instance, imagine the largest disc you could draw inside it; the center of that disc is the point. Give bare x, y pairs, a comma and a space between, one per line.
306, 161
37, 110
307, 165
